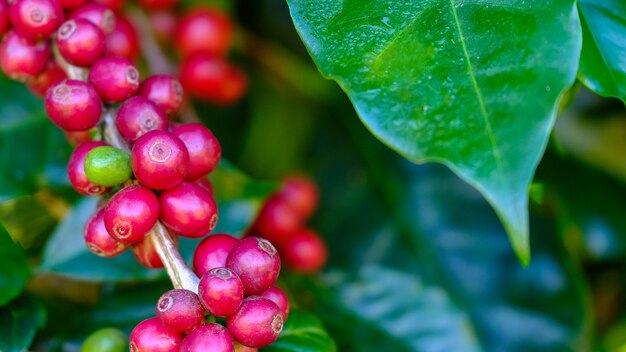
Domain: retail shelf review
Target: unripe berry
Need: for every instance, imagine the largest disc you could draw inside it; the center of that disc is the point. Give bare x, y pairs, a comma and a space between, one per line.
188, 210
208, 337
97, 238
97, 14
36, 19
257, 323
107, 166
221, 292
164, 91
301, 194
276, 221
204, 149
160, 160
204, 30
81, 42
151, 335
304, 252
105, 340
115, 79
76, 170
241, 348
73, 105
279, 297
123, 41
212, 253
180, 310
52, 75
22, 59
137, 116
163, 24
213, 79
131, 214
4, 17
256, 262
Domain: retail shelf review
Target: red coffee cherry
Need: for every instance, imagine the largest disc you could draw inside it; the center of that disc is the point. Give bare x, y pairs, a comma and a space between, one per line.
276, 221
279, 297
208, 337
204, 30
124, 40
212, 79
188, 210
153, 5
35, 19
180, 310
81, 42
204, 149
163, 24
301, 194
131, 214
115, 5
151, 335
212, 253
256, 262
221, 292
97, 14
305, 252
257, 323
22, 59
73, 105
164, 91
241, 348
52, 75
206, 184
78, 137
147, 255
115, 78
4, 17
72, 4
97, 238
137, 116
160, 160
76, 170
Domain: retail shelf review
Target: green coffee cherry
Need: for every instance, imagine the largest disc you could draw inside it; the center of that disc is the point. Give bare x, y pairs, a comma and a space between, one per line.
107, 166
105, 340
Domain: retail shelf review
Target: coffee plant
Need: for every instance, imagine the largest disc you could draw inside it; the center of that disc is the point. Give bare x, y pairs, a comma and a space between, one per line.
177, 175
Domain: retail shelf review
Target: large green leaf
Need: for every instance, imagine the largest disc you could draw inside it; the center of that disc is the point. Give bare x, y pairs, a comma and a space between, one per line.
19, 322
14, 270
602, 66
470, 84
302, 332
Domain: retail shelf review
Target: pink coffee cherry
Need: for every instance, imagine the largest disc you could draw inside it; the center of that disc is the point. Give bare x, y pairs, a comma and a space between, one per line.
97, 238
137, 116
188, 210
206, 184
212, 253
204, 149
36, 19
301, 194
257, 323
97, 14
124, 40
276, 221
279, 297
147, 255
160, 160
115, 5
73, 105
208, 337
115, 79
22, 59
131, 214
76, 170
52, 75
256, 262
72, 4
4, 17
80, 42
180, 310
164, 91
221, 292
305, 251
204, 30
151, 335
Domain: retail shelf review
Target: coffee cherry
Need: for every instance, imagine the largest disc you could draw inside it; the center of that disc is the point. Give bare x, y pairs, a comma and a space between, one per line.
76, 170
78, 137
115, 5
208, 337
164, 91
137, 116
279, 297
72, 4
305, 252
146, 254
188, 210
105, 340
180, 310
163, 25
241, 348
276, 221
213, 79
22, 59
160, 160
221, 292
80, 42
204, 30
73, 105
115, 78
4, 17
301, 194
206, 184
107, 166
52, 75
257, 323
131, 214
204, 149
151, 335
97, 238
153, 5
123, 41
212, 253
35, 19
97, 14
256, 262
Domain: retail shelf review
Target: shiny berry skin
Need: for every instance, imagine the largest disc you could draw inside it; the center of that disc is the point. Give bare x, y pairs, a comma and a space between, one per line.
160, 160
276, 221
204, 149
206, 184
163, 24
204, 30
108, 166
241, 348
97, 238
97, 14
105, 340
4, 17
36, 19
212, 253
72, 4
188, 210
137, 116
80, 42
208, 337
212, 79
221, 292
76, 170
257, 263
146, 254
151, 336
301, 194
52, 75
257, 323
115, 79
305, 252
22, 59
131, 214
180, 310
279, 297
73, 105
164, 91
123, 41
